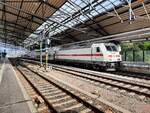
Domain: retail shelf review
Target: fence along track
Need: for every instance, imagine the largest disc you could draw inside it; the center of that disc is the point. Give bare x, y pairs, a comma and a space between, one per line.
57, 98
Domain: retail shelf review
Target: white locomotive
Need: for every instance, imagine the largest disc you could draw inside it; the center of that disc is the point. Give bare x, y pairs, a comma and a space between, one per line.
103, 55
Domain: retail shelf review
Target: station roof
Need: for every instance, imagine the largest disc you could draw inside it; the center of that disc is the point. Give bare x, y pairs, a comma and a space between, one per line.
70, 20
20, 18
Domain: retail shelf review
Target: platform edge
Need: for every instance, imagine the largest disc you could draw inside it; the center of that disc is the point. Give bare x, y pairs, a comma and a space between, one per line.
25, 95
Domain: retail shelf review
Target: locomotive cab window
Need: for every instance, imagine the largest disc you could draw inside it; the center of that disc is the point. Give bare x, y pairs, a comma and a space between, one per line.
111, 48
114, 48
97, 49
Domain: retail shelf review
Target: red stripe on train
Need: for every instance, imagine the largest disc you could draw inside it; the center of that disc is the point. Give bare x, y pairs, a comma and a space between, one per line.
80, 55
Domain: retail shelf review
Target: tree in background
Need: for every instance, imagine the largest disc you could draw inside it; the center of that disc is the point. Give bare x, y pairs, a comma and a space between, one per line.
147, 45
137, 46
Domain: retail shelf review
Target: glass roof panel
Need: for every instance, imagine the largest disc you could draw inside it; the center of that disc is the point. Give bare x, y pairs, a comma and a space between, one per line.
74, 12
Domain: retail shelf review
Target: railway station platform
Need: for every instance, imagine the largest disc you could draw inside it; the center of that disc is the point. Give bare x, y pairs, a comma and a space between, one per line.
13, 97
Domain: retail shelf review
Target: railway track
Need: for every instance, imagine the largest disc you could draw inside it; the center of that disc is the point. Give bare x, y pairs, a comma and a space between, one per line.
132, 75
57, 98
137, 87
62, 98
131, 86
119, 73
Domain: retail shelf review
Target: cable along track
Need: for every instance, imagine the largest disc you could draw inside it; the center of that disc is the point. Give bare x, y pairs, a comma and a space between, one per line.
128, 85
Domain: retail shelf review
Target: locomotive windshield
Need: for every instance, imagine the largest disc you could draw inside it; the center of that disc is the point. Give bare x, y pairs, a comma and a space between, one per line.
111, 48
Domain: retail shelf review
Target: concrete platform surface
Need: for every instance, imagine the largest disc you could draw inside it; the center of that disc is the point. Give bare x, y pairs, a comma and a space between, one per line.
12, 99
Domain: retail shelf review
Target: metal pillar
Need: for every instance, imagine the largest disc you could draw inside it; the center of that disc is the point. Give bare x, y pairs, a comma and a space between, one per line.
133, 55
143, 55
131, 13
46, 56
41, 54
125, 54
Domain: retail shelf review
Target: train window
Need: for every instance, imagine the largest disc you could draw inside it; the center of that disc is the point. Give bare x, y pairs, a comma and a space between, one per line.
114, 48
97, 49
111, 48
108, 48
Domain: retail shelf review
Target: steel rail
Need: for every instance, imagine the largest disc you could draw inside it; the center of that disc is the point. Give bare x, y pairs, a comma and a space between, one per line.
105, 77
88, 76
90, 106
108, 83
